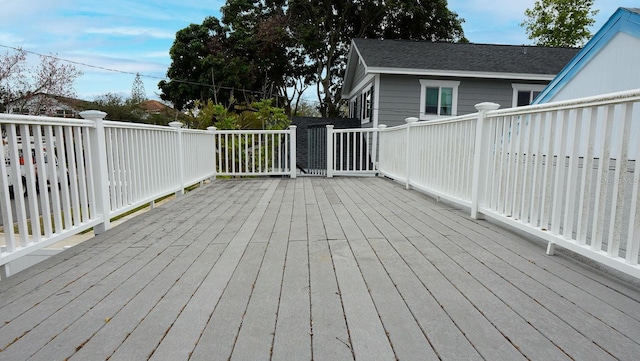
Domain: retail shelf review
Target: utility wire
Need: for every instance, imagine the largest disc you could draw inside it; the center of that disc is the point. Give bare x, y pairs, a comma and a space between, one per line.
122, 71
133, 73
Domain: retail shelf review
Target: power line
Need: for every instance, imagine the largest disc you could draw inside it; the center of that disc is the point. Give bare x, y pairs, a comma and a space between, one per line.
113, 70
133, 73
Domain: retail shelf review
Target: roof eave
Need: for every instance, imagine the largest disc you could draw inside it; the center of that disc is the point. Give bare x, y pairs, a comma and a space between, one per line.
460, 74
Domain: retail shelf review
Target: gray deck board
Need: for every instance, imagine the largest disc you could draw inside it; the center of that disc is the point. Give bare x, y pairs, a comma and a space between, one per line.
368, 337
293, 326
310, 268
222, 329
255, 338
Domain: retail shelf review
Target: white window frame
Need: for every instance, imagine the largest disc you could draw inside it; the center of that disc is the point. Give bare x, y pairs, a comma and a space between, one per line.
366, 113
426, 83
517, 87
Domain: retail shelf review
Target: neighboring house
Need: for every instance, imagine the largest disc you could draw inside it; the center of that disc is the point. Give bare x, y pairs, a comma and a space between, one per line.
47, 104
609, 62
387, 81
156, 107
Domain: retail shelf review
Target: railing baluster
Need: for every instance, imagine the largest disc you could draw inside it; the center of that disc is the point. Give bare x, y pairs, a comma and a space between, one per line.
602, 183
619, 186
538, 171
572, 175
73, 175
633, 232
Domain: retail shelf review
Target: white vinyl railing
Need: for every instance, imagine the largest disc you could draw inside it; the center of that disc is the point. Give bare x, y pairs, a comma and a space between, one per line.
435, 157
81, 173
351, 151
255, 152
565, 172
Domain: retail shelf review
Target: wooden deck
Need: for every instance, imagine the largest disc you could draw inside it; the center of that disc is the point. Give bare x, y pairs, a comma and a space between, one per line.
323, 269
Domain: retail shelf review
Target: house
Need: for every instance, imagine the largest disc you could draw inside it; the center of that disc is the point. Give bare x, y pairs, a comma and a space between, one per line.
48, 104
156, 107
387, 81
607, 63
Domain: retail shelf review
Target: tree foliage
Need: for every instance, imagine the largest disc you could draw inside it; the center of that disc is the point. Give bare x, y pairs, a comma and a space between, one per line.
138, 94
259, 115
22, 85
324, 30
269, 47
560, 22
239, 62
121, 108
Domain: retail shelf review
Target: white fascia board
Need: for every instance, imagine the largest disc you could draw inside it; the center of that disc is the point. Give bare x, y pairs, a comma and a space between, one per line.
461, 74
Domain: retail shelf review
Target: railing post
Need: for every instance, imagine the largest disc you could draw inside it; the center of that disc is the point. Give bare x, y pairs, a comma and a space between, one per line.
212, 130
410, 121
330, 150
180, 163
380, 149
293, 149
98, 153
480, 155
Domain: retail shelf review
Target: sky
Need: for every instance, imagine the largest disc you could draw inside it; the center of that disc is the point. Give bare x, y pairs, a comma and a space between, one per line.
110, 41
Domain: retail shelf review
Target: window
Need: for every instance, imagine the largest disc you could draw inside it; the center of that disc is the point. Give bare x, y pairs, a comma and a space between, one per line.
365, 102
354, 111
524, 94
438, 98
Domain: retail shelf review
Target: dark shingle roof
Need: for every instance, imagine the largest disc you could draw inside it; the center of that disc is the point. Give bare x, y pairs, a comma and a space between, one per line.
422, 55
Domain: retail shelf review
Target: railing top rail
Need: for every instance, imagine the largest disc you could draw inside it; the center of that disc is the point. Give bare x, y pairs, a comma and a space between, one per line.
459, 118
195, 131
598, 100
253, 131
129, 125
356, 130
43, 120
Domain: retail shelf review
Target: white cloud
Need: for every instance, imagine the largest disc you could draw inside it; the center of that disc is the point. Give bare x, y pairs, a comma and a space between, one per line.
132, 31
11, 39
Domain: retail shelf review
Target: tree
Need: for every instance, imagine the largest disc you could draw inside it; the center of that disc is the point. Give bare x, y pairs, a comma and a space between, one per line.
560, 22
22, 85
277, 48
138, 94
239, 62
324, 30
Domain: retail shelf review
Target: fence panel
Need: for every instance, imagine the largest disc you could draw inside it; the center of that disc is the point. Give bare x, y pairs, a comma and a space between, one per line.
45, 195
435, 157
64, 176
393, 154
255, 152
353, 151
567, 172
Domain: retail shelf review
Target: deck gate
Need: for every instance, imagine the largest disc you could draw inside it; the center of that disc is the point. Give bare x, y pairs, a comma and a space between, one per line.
317, 150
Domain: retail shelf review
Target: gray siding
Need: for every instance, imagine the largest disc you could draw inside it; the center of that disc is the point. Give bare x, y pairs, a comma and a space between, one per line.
358, 76
400, 95
355, 73
474, 91
399, 99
